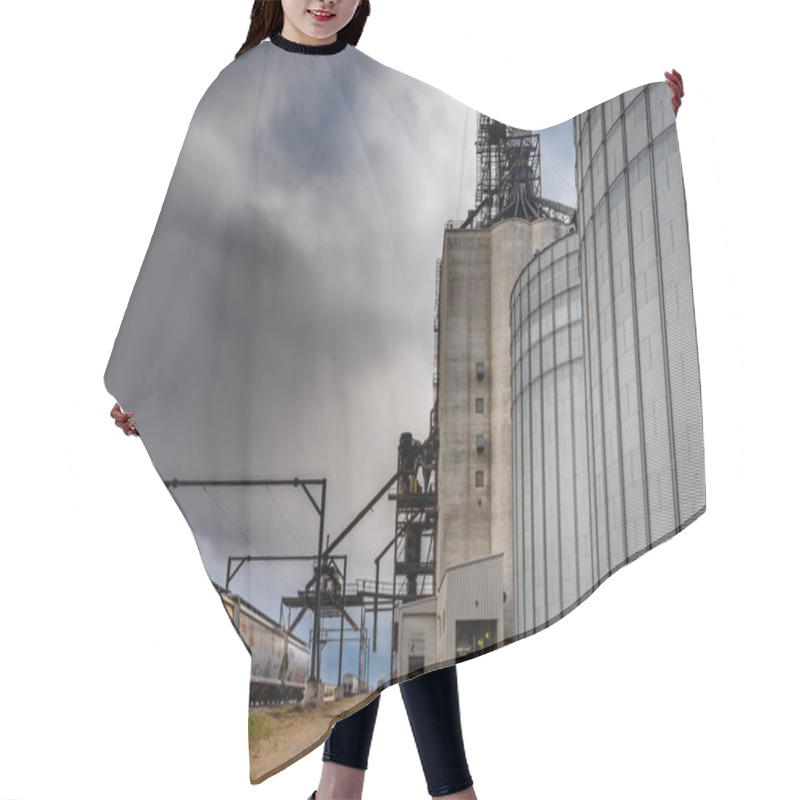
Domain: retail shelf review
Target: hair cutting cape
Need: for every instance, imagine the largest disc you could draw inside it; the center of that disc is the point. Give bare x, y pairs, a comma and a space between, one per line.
412, 406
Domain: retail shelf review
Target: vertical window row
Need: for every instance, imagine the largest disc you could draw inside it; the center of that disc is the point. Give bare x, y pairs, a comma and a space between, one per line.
480, 439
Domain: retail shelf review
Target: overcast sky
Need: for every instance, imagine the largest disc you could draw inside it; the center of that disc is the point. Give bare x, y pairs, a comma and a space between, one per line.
282, 323
115, 650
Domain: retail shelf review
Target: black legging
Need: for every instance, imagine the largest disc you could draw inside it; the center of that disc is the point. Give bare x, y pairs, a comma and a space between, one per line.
433, 711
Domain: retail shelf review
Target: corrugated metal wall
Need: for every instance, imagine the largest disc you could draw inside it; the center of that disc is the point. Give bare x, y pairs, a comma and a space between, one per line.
474, 591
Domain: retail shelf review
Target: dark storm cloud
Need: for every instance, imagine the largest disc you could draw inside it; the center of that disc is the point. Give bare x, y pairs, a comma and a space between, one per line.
282, 322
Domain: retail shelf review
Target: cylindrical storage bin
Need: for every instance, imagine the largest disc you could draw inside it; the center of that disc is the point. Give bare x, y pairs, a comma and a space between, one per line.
552, 559
645, 432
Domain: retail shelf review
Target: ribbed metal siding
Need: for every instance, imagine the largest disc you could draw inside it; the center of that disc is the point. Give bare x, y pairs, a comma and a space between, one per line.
629, 368
552, 559
647, 475
474, 591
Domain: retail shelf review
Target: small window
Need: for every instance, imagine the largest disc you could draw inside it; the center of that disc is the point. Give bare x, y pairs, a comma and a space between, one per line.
474, 635
479, 478
480, 442
479, 405
480, 370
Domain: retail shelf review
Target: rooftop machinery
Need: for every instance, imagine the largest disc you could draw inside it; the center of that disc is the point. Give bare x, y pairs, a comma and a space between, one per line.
509, 177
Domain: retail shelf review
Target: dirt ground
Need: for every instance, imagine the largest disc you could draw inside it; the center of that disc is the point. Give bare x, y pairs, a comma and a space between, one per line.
295, 731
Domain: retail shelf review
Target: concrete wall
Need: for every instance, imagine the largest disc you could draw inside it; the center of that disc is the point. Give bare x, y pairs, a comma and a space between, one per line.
464, 325
479, 268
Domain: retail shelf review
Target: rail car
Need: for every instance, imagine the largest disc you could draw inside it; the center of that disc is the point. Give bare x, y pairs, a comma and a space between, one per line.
351, 684
280, 660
